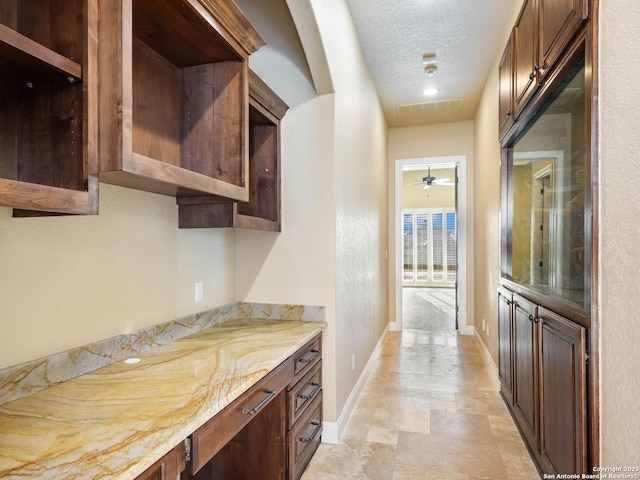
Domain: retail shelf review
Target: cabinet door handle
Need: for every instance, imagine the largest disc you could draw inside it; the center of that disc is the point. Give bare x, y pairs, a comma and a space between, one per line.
314, 353
530, 318
509, 302
256, 409
313, 435
537, 67
532, 75
307, 396
509, 113
536, 319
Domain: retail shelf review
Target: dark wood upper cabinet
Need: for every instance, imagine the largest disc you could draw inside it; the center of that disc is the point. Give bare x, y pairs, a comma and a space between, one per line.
542, 33
525, 55
262, 210
559, 21
505, 88
174, 96
48, 106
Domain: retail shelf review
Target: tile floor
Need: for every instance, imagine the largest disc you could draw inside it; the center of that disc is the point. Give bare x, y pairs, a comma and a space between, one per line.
429, 410
427, 308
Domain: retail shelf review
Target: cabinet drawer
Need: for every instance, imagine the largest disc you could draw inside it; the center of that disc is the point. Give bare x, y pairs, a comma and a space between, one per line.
305, 358
304, 438
213, 435
304, 392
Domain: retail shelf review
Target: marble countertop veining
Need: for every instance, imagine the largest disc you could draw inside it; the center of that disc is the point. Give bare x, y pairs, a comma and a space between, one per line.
117, 421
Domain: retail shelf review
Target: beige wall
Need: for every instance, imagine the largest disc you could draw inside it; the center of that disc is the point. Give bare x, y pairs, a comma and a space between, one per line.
332, 247
69, 281
298, 265
619, 294
486, 199
423, 142
415, 196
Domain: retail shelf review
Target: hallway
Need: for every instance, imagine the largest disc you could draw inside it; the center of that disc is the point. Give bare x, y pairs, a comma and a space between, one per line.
430, 409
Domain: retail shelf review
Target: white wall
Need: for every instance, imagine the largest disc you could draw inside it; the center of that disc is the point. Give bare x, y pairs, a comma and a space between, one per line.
69, 281
619, 294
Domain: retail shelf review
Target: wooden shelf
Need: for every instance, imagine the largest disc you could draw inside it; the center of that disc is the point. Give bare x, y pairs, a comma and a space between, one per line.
21, 51
175, 95
262, 211
48, 106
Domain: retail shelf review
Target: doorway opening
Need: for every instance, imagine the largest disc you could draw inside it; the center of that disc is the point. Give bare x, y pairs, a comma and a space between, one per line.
429, 215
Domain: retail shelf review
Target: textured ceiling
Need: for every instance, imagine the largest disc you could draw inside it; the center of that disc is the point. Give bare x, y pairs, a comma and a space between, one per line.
465, 35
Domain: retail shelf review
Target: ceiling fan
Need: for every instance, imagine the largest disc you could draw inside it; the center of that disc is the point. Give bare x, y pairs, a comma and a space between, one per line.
430, 180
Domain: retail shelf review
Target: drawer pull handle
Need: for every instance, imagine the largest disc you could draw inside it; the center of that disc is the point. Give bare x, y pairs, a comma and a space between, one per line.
256, 409
307, 360
318, 425
307, 396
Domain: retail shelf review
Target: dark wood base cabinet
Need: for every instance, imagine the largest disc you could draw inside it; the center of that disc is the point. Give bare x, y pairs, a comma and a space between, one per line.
257, 451
168, 467
304, 422
268, 433
543, 382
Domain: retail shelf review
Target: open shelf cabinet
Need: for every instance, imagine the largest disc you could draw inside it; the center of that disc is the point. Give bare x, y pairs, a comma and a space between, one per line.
48, 106
174, 105
262, 211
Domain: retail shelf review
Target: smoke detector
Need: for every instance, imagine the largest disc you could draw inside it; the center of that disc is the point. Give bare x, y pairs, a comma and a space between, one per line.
430, 70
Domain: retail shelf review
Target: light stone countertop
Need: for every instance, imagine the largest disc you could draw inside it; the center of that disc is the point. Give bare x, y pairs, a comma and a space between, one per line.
117, 421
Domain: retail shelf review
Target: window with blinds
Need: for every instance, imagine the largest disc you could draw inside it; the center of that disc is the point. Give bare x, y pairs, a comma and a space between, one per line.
429, 247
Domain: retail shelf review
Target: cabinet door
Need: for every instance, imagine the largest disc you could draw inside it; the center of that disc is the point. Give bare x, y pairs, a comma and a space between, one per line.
525, 365
559, 21
505, 88
168, 467
562, 394
525, 55
505, 343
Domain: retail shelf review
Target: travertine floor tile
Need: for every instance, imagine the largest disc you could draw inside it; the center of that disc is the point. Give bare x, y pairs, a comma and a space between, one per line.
431, 409
354, 459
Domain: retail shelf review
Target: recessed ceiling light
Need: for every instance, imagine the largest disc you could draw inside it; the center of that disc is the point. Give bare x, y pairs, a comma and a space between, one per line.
430, 91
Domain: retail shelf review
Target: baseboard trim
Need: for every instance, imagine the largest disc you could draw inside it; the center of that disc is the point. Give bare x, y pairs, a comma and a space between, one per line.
483, 349
332, 431
466, 330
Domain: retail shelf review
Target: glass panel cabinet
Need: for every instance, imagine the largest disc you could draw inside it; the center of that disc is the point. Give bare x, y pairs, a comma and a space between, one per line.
548, 344
548, 195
